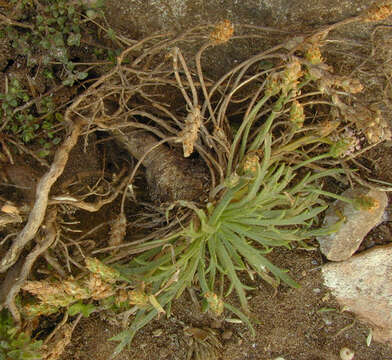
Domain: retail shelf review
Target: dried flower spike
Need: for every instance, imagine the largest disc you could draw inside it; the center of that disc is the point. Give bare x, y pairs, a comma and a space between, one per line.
139, 298
313, 54
379, 10
291, 76
273, 85
106, 273
251, 162
352, 86
73, 288
118, 230
189, 134
222, 32
98, 288
378, 130
215, 303
121, 297
51, 294
297, 115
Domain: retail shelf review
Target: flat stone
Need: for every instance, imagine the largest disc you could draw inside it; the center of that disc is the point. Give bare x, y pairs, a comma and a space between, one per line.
363, 285
357, 223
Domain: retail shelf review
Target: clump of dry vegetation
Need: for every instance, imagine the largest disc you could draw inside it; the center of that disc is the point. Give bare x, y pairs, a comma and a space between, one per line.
232, 168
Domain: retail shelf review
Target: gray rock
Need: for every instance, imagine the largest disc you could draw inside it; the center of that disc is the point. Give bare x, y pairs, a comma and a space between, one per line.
357, 223
363, 285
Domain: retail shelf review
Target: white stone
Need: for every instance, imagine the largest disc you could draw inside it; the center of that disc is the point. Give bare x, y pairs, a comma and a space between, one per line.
363, 285
343, 243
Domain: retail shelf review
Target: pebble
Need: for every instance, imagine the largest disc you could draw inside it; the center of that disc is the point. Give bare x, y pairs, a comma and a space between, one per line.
355, 223
363, 285
346, 354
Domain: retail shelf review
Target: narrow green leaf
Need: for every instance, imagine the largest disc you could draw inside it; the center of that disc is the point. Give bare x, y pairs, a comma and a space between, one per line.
229, 267
242, 316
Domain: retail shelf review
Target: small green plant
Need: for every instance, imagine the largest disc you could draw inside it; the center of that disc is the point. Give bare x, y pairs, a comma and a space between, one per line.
26, 122
14, 344
22, 123
268, 205
55, 30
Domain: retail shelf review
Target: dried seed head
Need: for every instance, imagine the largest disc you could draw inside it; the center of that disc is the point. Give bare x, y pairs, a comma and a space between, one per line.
297, 115
273, 85
379, 10
76, 290
316, 72
51, 294
139, 298
121, 297
352, 86
106, 273
313, 54
189, 134
367, 121
285, 81
329, 81
98, 288
378, 130
222, 32
250, 163
215, 302
118, 231
345, 143
291, 76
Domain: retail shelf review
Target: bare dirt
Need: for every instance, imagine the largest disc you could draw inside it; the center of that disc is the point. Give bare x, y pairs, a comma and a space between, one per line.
297, 324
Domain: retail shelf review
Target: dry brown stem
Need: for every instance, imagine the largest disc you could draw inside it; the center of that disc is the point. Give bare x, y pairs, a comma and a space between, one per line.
54, 263
5, 20
6, 219
84, 205
44, 185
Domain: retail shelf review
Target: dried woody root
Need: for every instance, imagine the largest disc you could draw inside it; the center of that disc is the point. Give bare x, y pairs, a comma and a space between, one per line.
16, 279
38, 211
